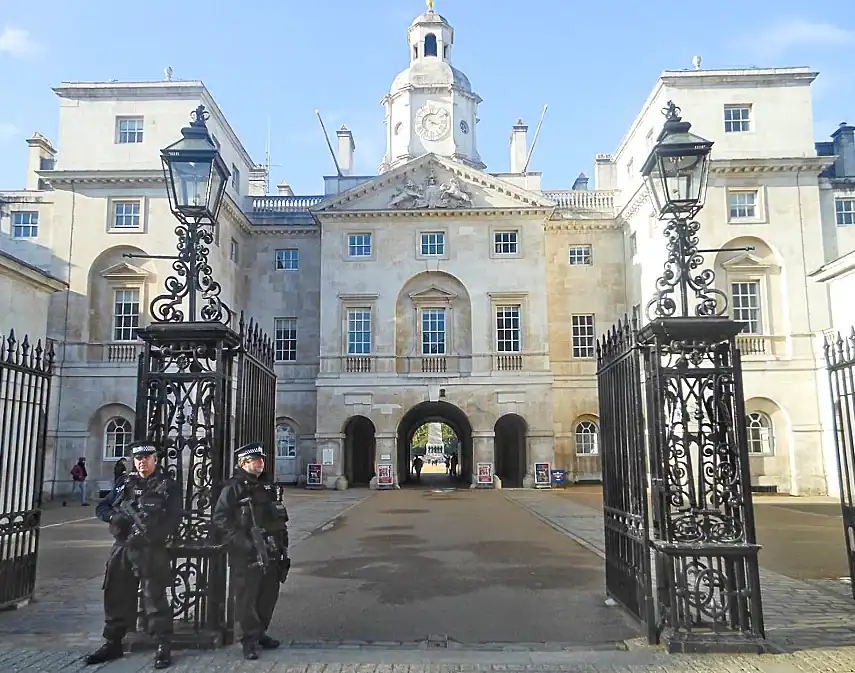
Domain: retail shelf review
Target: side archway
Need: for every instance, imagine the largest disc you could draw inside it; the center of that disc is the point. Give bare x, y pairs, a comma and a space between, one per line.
286, 469
440, 412
511, 433
360, 449
770, 447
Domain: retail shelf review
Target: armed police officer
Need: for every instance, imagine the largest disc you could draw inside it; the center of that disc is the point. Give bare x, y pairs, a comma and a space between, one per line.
254, 527
143, 510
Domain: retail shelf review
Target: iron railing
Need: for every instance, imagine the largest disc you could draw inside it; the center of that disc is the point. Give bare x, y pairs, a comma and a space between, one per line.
25, 383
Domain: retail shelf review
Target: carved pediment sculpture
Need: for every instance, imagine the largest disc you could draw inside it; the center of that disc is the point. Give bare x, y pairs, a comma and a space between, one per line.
431, 195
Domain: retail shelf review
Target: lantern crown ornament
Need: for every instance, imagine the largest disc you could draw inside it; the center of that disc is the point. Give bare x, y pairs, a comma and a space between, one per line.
195, 173
677, 168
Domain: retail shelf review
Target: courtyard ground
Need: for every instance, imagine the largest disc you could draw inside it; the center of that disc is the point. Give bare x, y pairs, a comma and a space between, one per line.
375, 574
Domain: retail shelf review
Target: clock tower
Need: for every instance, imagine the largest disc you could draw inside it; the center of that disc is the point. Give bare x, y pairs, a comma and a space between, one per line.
431, 106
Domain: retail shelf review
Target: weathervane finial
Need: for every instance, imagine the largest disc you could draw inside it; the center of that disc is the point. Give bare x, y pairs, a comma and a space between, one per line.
430, 6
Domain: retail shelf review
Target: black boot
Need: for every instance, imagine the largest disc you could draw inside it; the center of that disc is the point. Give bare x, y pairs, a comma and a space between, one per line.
249, 651
268, 643
163, 656
107, 652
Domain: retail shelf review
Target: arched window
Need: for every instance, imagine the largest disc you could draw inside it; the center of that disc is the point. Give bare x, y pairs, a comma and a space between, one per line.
759, 431
117, 436
430, 44
587, 439
286, 441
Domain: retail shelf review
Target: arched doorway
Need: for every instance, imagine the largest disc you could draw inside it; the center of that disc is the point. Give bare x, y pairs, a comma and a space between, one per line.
359, 451
441, 412
510, 446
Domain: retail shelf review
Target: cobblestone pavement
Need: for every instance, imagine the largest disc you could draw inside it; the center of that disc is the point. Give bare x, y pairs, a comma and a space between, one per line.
36, 640
798, 614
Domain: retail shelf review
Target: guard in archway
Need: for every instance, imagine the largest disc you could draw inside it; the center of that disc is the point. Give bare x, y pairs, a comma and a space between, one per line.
143, 510
254, 527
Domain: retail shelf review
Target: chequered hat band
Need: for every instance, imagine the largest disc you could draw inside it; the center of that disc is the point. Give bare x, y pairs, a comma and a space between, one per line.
250, 452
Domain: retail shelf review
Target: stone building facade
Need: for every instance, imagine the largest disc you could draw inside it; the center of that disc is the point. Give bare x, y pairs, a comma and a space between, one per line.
434, 290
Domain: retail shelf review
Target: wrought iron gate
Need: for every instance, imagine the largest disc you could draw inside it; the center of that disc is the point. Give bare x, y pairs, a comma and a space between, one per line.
625, 508
840, 361
25, 382
192, 405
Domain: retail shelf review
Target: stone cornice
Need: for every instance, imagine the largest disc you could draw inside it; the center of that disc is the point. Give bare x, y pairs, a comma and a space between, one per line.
138, 178
469, 213
834, 269
636, 202
309, 232
778, 165
29, 274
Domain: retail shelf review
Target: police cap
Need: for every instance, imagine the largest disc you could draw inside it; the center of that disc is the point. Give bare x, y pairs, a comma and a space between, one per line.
141, 449
250, 451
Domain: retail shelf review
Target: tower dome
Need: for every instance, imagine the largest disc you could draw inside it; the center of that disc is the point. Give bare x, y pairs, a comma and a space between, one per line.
431, 106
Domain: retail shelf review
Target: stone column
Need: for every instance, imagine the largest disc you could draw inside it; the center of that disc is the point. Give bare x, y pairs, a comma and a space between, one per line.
484, 451
333, 475
540, 448
386, 451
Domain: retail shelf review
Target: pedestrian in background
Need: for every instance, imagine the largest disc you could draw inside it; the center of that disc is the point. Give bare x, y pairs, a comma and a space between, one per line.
78, 480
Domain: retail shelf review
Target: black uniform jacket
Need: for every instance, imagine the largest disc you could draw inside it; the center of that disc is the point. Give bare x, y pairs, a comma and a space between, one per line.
162, 512
233, 521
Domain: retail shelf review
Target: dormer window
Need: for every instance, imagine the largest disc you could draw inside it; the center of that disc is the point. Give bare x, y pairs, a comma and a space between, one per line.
430, 44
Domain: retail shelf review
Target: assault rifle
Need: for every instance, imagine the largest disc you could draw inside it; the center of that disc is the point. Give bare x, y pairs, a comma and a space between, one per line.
262, 558
128, 509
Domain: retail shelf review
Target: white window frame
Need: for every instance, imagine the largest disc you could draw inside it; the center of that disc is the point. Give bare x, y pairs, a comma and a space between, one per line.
844, 217
579, 350
440, 310
113, 204
31, 227
285, 322
496, 232
583, 254
132, 136
741, 124
371, 246
761, 327
114, 427
758, 434
499, 307
759, 216
234, 251
235, 179
351, 312
286, 259
584, 428
420, 240
356, 302
286, 440
113, 315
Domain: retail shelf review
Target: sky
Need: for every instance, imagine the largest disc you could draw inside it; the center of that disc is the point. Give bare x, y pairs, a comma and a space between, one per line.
272, 63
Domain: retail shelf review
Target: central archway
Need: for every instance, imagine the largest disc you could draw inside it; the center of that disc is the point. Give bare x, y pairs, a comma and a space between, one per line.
440, 412
510, 432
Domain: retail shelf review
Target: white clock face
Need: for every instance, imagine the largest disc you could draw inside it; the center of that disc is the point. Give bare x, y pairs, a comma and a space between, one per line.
433, 122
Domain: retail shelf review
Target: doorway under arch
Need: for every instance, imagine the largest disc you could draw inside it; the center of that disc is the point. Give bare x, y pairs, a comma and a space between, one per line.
360, 448
510, 446
440, 412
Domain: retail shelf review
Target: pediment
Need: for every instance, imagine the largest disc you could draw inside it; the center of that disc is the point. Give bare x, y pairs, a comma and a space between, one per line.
432, 184
432, 293
746, 262
125, 271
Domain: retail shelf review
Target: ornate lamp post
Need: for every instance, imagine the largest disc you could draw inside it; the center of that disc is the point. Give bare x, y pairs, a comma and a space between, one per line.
187, 394
707, 577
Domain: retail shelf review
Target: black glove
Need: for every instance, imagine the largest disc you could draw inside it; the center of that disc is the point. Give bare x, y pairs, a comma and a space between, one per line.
120, 525
284, 568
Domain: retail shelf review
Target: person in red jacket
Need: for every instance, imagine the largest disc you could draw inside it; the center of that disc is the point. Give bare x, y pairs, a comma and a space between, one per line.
78, 479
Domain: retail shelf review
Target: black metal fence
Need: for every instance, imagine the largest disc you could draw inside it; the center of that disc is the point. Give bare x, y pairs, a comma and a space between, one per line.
840, 362
625, 505
678, 429
25, 383
191, 403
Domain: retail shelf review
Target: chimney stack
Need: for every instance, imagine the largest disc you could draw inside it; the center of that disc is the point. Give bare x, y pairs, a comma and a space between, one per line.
40, 157
844, 148
258, 180
284, 189
346, 146
518, 146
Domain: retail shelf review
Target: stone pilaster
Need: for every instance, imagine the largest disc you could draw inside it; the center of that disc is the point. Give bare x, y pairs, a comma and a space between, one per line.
483, 450
333, 475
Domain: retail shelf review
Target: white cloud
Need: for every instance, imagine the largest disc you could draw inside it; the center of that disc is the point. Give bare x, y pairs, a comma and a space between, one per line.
17, 42
789, 34
8, 131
